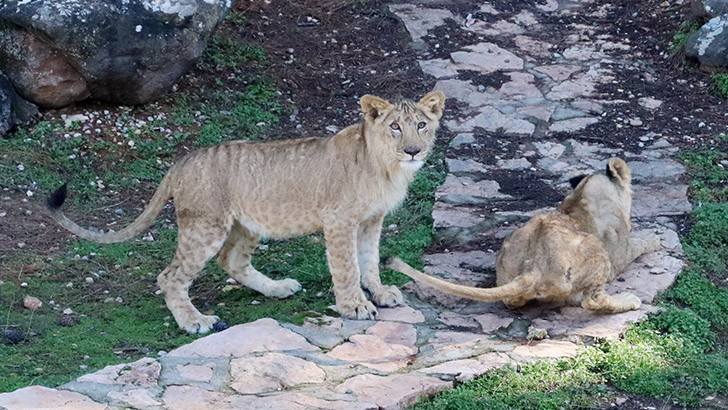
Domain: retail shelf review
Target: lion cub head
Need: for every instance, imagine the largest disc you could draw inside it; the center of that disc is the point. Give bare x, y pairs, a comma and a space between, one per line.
601, 194
402, 133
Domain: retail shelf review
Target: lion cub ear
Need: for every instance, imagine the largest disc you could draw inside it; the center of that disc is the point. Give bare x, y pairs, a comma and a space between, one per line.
619, 172
373, 106
434, 101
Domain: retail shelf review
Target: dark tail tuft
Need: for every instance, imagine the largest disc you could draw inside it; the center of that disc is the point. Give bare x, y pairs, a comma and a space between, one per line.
57, 198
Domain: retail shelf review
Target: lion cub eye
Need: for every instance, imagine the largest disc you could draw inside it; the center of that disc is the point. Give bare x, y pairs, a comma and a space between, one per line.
421, 125
394, 126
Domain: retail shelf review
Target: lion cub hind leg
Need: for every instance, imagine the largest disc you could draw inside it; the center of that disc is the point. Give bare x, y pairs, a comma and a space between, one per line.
600, 302
367, 246
341, 255
235, 259
197, 243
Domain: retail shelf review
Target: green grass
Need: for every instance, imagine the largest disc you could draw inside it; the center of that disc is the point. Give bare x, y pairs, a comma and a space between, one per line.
684, 32
720, 84
679, 355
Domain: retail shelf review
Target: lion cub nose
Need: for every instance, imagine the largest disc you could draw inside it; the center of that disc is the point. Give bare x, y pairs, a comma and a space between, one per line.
412, 150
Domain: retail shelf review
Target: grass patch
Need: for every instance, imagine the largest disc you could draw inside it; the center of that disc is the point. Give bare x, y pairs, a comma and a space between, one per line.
686, 29
679, 355
546, 385
720, 84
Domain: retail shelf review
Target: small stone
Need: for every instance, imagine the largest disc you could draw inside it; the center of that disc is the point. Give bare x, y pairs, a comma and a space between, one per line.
67, 320
67, 311
536, 333
635, 122
32, 302
24, 285
13, 336
220, 325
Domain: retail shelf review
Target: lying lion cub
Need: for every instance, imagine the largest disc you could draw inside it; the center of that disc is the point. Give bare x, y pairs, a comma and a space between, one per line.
230, 195
568, 255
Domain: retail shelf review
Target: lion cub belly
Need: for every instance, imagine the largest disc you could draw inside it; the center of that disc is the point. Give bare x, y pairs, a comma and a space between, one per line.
274, 223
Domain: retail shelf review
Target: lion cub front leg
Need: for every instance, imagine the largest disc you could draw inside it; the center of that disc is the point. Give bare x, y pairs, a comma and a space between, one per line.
341, 254
367, 247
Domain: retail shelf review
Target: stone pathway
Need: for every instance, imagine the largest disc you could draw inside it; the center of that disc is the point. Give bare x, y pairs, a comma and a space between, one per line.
521, 104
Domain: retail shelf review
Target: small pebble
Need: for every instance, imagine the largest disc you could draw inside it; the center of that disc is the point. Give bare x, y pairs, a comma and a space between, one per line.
13, 336
67, 320
32, 302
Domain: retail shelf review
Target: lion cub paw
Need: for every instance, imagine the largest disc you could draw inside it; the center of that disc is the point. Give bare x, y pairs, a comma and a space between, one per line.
283, 288
627, 301
200, 325
361, 309
388, 296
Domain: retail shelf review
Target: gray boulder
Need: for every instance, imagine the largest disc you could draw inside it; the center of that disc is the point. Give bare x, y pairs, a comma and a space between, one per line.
57, 52
14, 110
710, 8
709, 45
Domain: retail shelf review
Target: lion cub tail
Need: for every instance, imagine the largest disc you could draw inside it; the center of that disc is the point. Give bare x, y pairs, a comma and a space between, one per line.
143, 221
509, 290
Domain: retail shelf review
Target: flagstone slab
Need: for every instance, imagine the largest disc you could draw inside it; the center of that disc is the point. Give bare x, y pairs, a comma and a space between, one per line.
420, 20
374, 352
272, 372
577, 321
467, 369
486, 58
143, 373
404, 314
547, 349
393, 392
39, 397
260, 336
135, 399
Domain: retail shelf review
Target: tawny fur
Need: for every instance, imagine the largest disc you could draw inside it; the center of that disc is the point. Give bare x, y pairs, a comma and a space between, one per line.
568, 255
230, 195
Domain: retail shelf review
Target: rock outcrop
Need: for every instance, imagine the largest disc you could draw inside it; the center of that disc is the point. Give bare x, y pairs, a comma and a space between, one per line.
57, 52
709, 45
13, 109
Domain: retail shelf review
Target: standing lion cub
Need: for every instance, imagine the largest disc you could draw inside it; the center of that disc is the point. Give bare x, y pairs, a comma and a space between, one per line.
568, 255
230, 195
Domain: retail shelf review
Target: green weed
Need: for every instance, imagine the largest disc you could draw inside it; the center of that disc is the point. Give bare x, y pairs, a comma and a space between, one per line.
720, 84
686, 29
547, 385
225, 53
